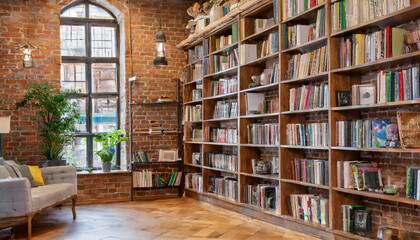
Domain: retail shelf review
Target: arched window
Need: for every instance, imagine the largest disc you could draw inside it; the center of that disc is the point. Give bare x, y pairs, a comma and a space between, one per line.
89, 64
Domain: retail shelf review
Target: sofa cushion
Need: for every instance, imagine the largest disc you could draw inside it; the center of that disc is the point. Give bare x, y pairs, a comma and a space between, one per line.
47, 195
4, 173
24, 170
37, 175
12, 172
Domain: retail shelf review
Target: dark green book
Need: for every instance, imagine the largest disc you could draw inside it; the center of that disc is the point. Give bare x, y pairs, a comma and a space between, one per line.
235, 32
409, 184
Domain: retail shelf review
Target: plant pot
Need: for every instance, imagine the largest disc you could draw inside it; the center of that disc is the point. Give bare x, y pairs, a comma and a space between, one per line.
106, 167
52, 163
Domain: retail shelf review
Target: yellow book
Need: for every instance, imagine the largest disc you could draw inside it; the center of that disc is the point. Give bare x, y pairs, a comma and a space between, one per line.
398, 41
359, 48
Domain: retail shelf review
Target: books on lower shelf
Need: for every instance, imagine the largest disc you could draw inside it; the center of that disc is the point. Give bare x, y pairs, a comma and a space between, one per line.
225, 109
265, 166
292, 8
224, 86
196, 134
196, 53
224, 186
349, 13
300, 34
222, 41
413, 182
308, 97
266, 134
197, 71
221, 135
255, 103
397, 86
222, 161
362, 48
367, 134
251, 52
142, 156
309, 208
223, 62
265, 196
357, 219
193, 113
197, 94
194, 181
311, 134
197, 158
310, 171
359, 175
147, 178
306, 64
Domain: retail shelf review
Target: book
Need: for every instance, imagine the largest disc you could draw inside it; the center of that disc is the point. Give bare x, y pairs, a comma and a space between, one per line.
311, 134
248, 53
405, 84
310, 63
224, 186
223, 86
222, 161
194, 181
221, 135
197, 158
262, 195
379, 133
308, 97
193, 113
235, 32
309, 208
310, 171
413, 182
225, 109
266, 134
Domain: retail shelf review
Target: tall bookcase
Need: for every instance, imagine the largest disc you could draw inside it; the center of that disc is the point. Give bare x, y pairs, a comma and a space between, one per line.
338, 79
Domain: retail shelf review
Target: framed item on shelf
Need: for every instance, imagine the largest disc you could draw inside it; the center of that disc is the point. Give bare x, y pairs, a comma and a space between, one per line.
343, 98
409, 129
167, 155
366, 94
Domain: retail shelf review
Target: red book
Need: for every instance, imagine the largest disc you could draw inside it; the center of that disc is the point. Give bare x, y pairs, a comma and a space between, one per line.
401, 87
388, 43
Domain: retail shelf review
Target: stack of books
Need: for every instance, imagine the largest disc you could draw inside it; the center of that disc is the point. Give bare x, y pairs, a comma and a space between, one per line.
397, 86
413, 183
221, 135
310, 171
357, 219
222, 41
225, 109
266, 134
265, 166
197, 158
155, 128
224, 186
196, 53
359, 175
194, 181
308, 97
224, 86
223, 62
311, 134
303, 65
142, 156
294, 7
222, 161
309, 208
265, 196
175, 179
348, 13
300, 34
193, 113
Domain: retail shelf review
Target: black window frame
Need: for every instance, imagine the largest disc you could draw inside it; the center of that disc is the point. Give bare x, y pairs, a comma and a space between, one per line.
88, 61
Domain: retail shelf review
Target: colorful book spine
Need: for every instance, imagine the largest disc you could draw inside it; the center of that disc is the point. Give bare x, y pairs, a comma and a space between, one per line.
308, 97
310, 63
309, 208
310, 171
222, 161
312, 134
266, 134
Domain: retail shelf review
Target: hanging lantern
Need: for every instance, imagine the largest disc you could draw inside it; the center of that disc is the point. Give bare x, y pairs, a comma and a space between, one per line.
159, 59
27, 49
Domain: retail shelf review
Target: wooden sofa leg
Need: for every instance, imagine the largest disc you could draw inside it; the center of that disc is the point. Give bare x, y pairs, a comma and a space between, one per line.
73, 207
30, 227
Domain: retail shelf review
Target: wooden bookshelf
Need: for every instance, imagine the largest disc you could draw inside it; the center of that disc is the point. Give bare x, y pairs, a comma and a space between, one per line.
337, 78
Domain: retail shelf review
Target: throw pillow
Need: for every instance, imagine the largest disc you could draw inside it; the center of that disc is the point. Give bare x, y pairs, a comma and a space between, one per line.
4, 173
10, 170
37, 175
14, 167
24, 170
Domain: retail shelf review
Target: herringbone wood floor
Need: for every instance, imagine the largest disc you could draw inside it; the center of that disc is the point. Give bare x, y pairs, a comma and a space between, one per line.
183, 218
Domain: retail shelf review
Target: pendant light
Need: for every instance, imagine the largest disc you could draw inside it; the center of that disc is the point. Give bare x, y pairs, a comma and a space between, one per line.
159, 60
27, 47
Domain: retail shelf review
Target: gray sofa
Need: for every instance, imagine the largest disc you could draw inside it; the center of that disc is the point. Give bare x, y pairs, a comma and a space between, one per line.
19, 200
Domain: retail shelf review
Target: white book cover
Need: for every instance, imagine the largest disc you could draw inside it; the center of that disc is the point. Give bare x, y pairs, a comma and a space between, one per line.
253, 102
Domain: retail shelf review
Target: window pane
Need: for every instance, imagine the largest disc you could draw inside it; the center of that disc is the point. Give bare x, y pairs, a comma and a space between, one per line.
104, 114
73, 76
72, 40
96, 159
98, 13
103, 42
81, 107
104, 77
77, 11
76, 152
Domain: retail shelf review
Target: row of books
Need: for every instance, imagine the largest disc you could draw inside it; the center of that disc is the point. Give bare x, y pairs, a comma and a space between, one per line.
175, 179
194, 181
196, 53
311, 134
308, 97
147, 178
224, 86
310, 63
220, 63
221, 135
300, 34
222, 161
265, 196
142, 156
363, 48
197, 94
267, 134
251, 52
359, 175
224, 186
193, 113
309, 208
413, 183
197, 158
265, 166
349, 13
294, 7
310, 171
222, 41
398, 86
255, 103
196, 134
357, 219
197, 71
366, 134
225, 109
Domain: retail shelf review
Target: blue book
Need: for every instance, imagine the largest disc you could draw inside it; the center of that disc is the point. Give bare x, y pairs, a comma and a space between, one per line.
379, 133
415, 84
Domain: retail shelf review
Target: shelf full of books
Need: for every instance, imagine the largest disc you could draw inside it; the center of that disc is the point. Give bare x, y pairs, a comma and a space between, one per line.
302, 117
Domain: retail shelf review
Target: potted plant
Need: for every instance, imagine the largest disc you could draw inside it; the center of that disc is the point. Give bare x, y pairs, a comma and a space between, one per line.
109, 142
56, 120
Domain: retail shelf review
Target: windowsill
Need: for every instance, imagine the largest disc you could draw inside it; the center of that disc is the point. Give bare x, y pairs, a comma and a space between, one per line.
99, 172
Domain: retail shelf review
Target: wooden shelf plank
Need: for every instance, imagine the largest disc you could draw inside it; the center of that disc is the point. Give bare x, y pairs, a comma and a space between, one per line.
193, 165
221, 119
233, 45
263, 88
194, 102
265, 115
310, 78
226, 72
259, 145
396, 150
312, 224
305, 111
261, 60
191, 122
262, 176
193, 82
304, 147
309, 46
305, 183
305, 14
229, 95
222, 144
352, 235
260, 209
261, 34
220, 170
379, 105
193, 142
